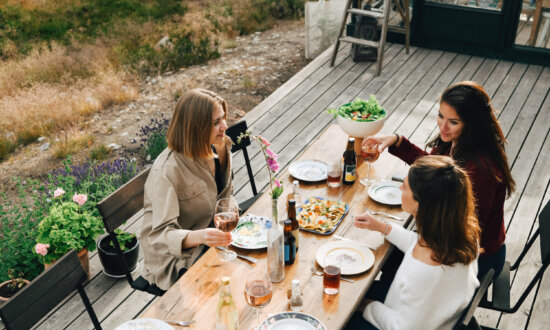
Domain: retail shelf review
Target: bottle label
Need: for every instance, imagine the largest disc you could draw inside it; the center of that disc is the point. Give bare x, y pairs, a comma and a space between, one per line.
290, 251
349, 173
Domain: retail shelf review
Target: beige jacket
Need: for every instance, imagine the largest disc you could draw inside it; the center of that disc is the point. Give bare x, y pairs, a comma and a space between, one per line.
180, 196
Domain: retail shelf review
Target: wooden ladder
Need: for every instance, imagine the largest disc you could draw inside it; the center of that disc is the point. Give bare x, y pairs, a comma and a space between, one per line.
385, 16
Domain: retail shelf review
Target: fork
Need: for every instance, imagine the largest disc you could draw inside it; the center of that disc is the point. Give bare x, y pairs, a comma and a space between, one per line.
387, 215
181, 323
320, 273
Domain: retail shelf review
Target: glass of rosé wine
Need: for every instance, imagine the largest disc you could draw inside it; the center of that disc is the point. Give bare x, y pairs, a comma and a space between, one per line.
369, 153
226, 217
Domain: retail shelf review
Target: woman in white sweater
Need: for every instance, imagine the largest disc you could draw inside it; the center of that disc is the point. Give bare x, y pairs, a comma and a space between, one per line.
438, 275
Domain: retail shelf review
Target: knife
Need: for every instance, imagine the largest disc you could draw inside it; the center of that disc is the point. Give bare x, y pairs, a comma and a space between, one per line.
242, 256
350, 240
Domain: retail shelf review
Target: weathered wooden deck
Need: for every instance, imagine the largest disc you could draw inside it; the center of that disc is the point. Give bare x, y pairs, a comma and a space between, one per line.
408, 88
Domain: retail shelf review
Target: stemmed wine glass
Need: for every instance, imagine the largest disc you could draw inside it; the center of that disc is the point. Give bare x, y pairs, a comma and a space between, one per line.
226, 217
370, 153
257, 291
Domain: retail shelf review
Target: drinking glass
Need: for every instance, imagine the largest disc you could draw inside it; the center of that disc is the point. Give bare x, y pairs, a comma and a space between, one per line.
226, 217
370, 153
334, 174
257, 291
331, 275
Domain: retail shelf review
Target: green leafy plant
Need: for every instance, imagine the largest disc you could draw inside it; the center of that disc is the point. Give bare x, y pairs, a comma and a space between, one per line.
67, 227
125, 239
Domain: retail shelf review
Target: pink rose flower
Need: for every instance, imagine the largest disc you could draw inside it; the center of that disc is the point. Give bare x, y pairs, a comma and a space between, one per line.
271, 154
277, 183
58, 192
42, 249
80, 199
272, 164
264, 141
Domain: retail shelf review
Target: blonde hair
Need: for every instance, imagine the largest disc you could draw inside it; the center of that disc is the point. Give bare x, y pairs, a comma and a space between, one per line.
191, 124
445, 219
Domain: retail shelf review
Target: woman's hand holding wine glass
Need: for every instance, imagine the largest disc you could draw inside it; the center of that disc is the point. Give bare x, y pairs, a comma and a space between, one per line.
226, 217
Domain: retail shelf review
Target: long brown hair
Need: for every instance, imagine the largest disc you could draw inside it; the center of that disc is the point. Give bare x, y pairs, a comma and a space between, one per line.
191, 125
445, 220
481, 135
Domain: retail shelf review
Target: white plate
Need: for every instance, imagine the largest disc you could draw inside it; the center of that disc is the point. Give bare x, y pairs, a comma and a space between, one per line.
145, 324
353, 258
309, 170
250, 232
386, 192
291, 321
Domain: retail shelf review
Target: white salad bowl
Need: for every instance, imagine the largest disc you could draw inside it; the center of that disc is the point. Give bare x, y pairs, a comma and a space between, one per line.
360, 129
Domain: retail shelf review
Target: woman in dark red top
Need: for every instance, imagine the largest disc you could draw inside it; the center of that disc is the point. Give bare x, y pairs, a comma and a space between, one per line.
470, 134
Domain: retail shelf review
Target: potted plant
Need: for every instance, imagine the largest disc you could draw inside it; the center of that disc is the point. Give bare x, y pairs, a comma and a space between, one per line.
67, 227
9, 288
129, 245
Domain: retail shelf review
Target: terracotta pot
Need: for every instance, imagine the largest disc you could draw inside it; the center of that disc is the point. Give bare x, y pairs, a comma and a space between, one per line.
6, 283
84, 260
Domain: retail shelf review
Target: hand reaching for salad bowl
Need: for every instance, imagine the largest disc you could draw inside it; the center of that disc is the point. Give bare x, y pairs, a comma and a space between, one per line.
360, 118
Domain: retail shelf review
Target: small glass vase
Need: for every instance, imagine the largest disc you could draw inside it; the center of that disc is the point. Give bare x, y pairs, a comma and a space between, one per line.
274, 210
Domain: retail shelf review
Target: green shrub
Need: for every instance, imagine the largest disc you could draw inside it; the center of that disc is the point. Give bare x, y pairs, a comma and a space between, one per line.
152, 138
18, 229
100, 152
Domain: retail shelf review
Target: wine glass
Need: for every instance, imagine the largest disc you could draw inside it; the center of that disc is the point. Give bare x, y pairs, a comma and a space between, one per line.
257, 291
226, 217
370, 153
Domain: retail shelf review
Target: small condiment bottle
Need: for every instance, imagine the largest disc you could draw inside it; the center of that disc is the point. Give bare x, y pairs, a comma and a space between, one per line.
296, 300
296, 193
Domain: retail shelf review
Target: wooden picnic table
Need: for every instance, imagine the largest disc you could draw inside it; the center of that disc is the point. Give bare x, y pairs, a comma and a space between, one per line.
195, 295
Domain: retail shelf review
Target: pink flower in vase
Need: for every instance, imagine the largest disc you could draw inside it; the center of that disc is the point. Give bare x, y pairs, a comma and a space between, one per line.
41, 249
80, 199
272, 164
271, 154
277, 183
264, 141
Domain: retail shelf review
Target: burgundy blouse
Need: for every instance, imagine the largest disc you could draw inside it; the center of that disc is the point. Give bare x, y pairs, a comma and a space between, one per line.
489, 192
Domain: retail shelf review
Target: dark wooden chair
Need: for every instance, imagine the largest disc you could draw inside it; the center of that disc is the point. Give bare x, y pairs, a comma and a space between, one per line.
233, 132
115, 210
29, 305
467, 321
501, 285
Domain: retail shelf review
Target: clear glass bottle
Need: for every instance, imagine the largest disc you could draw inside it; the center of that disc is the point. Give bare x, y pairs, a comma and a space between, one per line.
296, 300
227, 316
275, 253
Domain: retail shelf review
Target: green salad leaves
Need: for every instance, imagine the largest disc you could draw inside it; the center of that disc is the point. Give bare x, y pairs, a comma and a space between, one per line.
360, 110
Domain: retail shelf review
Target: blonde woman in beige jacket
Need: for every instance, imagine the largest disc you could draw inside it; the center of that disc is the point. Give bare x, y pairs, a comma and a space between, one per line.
183, 186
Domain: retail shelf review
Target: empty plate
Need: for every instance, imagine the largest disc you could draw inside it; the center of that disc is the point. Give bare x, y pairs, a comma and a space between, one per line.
309, 170
386, 192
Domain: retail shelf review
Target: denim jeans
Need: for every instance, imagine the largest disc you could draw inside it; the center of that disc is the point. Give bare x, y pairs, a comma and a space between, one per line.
494, 260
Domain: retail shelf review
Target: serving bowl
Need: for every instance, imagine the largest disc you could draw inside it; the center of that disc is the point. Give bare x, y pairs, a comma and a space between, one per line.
360, 129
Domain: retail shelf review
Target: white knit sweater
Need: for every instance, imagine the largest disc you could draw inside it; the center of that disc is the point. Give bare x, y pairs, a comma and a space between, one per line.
422, 296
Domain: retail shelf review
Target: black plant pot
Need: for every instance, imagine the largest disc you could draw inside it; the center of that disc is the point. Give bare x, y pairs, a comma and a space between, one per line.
112, 265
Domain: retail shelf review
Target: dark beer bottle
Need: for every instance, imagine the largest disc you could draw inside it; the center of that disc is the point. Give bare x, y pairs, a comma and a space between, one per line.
350, 163
290, 244
294, 222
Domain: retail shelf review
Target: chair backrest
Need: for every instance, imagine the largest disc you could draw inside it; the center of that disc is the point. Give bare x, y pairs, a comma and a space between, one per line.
40, 296
467, 320
123, 203
233, 132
